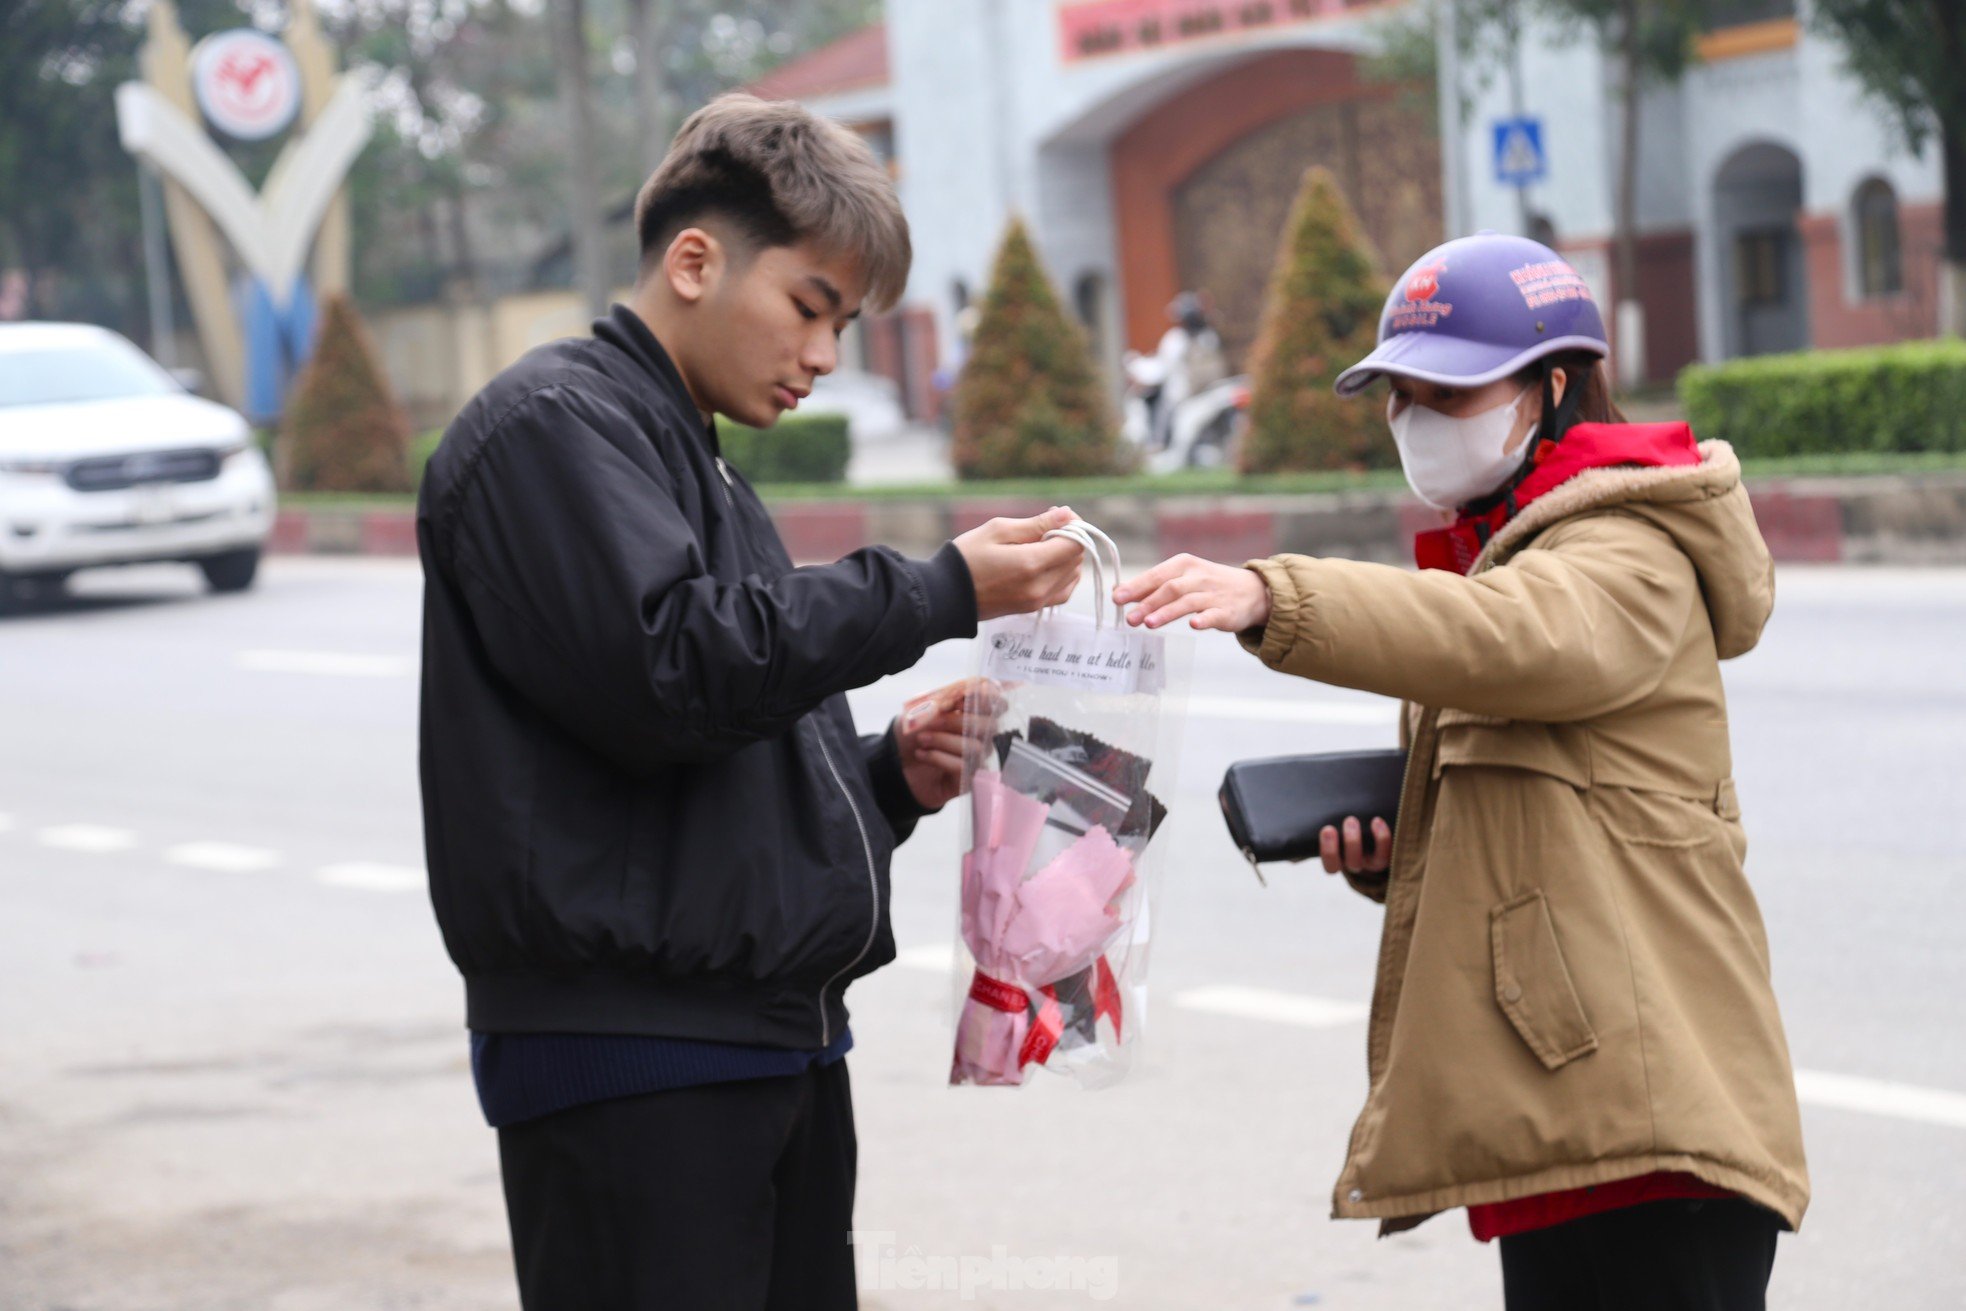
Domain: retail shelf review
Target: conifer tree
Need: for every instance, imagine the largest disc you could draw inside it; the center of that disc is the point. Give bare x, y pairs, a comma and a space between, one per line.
1320, 316
343, 430
1030, 402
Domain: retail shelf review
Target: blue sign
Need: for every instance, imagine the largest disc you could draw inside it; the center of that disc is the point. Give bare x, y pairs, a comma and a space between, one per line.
1519, 157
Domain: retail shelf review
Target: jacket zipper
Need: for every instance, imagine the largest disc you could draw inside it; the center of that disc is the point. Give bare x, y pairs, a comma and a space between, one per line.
873, 887
859, 823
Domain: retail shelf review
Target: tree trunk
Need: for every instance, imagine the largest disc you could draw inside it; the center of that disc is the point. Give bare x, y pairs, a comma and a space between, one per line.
590, 277
1952, 272
653, 115
464, 258
1630, 312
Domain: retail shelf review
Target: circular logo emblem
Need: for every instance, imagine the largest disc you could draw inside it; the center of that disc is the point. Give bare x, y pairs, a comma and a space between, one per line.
246, 83
1425, 282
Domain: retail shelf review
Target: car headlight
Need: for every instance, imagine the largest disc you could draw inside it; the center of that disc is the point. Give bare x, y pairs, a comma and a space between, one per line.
47, 468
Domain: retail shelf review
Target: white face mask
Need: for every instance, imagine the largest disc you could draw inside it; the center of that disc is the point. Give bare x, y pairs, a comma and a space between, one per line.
1450, 461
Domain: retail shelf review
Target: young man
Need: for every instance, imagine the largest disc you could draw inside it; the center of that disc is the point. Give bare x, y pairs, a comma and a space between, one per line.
658, 852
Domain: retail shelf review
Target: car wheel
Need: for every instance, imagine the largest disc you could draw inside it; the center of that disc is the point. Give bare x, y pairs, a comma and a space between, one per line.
233, 571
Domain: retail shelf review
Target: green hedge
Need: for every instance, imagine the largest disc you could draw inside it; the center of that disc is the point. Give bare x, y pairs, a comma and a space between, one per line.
799, 448
1902, 399
422, 447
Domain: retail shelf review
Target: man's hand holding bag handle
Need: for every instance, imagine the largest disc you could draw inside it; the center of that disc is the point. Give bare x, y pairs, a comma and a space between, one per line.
1296, 807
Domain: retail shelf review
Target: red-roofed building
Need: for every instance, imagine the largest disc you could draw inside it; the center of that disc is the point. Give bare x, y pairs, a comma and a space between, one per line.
852, 63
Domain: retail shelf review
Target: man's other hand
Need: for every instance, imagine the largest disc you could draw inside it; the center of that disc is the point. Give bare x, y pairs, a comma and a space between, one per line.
941, 732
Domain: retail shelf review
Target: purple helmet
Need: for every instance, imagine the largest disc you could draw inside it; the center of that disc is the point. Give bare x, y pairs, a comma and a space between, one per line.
1477, 309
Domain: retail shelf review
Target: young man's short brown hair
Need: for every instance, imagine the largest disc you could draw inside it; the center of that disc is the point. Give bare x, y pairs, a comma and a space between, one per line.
778, 175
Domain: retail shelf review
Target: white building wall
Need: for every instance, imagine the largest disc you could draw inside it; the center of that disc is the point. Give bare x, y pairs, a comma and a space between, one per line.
950, 155
1562, 84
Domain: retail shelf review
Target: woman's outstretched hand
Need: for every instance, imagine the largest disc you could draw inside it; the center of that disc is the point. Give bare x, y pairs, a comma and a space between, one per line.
1222, 596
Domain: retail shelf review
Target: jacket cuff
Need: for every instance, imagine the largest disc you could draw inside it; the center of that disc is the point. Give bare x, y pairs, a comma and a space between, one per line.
1272, 642
950, 593
892, 795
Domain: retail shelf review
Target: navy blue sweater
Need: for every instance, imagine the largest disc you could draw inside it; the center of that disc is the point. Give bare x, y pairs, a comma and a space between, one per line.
522, 1076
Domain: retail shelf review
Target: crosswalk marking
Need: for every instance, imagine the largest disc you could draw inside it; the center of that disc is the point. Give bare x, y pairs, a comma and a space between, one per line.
336, 664
1900, 1101
225, 856
370, 877
91, 838
1304, 1012
1816, 1088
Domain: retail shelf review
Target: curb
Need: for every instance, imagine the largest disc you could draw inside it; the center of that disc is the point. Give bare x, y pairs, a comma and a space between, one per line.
1879, 521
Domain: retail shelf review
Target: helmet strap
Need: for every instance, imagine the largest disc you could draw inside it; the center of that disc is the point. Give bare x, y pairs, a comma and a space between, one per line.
1552, 424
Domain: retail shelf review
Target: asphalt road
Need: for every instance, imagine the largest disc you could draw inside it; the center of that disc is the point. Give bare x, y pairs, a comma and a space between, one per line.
232, 1072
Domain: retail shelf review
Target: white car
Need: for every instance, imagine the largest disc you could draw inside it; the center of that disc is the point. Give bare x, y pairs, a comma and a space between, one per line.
106, 459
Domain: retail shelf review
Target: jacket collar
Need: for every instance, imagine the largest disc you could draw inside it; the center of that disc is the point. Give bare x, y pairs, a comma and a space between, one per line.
1466, 544
624, 330
1715, 471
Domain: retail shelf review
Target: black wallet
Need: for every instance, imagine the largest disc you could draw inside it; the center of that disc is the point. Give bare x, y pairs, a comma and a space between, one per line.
1277, 807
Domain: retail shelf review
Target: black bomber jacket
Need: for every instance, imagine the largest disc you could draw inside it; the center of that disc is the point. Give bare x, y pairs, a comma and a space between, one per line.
646, 809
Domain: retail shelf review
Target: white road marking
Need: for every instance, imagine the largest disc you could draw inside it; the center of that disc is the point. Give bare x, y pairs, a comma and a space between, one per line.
228, 857
1264, 1004
935, 957
1900, 1101
1261, 710
1841, 1092
334, 664
87, 837
6, 823
373, 878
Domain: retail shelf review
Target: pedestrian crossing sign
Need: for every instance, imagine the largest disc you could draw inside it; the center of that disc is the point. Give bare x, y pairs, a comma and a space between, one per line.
1519, 157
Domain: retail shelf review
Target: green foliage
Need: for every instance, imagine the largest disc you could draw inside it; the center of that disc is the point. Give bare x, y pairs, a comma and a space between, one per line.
1487, 32
421, 449
1320, 316
462, 183
1899, 399
343, 430
1030, 402
1907, 54
799, 448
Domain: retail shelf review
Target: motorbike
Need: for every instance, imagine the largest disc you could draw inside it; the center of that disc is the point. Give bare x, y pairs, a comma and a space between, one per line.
1200, 433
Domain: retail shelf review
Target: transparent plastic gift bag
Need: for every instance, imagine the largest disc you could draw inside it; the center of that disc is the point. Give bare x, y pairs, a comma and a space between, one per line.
1083, 717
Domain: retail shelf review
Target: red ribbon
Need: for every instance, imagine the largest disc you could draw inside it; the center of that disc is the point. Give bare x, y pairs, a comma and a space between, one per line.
998, 995
1048, 1023
1106, 994
1047, 1026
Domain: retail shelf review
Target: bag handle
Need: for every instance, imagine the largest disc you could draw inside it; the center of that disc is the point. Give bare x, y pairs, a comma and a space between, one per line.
1092, 539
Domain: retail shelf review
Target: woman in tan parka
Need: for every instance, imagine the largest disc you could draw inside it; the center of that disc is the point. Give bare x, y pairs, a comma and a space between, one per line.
1573, 1030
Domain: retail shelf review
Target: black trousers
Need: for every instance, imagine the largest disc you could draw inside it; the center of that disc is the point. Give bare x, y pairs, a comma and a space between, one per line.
727, 1197
1658, 1256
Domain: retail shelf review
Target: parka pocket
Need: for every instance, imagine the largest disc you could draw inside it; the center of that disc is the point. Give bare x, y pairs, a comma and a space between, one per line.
1532, 983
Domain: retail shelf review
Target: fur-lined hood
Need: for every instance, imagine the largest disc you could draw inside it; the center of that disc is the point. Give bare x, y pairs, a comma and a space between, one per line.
1703, 508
